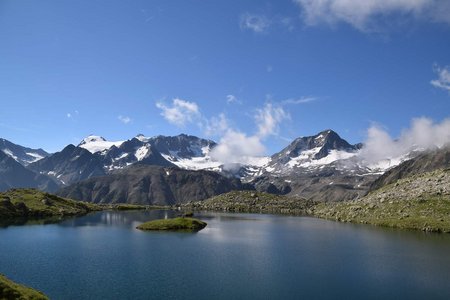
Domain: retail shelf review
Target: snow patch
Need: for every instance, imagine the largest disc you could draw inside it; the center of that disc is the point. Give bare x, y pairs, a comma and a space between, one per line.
94, 143
195, 163
11, 154
141, 152
35, 156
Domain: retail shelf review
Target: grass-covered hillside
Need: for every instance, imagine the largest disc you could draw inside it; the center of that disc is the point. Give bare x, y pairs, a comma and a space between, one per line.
12, 290
31, 203
251, 201
421, 202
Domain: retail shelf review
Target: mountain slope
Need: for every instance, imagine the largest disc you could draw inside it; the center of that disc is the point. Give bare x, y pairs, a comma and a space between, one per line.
420, 201
70, 165
135, 150
318, 168
424, 162
142, 184
21, 154
14, 175
311, 153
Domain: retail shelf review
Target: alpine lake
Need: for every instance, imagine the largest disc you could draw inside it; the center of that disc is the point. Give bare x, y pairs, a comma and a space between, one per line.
237, 256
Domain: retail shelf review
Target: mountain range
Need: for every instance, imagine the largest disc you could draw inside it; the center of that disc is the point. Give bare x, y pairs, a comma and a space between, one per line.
150, 170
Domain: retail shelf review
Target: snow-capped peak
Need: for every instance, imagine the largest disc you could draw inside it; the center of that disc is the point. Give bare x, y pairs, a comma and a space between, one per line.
95, 143
92, 139
142, 138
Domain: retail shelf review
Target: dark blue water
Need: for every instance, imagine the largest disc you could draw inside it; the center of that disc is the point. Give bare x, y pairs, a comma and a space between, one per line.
237, 256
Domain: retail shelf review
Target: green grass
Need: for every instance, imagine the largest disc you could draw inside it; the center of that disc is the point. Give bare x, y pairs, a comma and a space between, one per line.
176, 224
32, 203
12, 290
430, 214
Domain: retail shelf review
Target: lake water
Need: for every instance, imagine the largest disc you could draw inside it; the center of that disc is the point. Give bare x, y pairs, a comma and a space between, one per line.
237, 256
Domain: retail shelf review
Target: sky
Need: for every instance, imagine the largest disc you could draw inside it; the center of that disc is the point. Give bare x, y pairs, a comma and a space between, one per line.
248, 74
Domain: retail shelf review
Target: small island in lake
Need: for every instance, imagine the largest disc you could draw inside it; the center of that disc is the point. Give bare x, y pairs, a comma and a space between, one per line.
176, 224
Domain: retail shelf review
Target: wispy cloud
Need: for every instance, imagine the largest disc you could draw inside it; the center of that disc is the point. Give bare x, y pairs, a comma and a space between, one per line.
180, 113
295, 101
443, 80
268, 119
71, 115
216, 125
124, 119
365, 15
233, 99
254, 22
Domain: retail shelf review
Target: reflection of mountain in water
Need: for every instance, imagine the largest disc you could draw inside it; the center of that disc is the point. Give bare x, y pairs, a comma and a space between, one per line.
118, 218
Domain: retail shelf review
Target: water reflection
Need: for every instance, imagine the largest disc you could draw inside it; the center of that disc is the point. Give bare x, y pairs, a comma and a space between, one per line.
237, 256
119, 218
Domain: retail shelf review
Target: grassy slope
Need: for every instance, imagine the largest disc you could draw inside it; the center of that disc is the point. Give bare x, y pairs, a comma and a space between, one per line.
418, 202
12, 290
184, 224
33, 203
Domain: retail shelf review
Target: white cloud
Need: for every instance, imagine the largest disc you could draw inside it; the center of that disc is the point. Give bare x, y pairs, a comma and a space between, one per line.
232, 99
237, 147
257, 23
363, 14
423, 134
69, 115
268, 119
216, 125
443, 80
180, 113
301, 100
124, 119
234, 147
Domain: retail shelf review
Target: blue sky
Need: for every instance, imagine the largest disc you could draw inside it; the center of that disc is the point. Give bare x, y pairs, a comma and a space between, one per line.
269, 71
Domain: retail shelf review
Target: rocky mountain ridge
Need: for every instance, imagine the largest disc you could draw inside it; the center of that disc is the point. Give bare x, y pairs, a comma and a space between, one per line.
21, 154
323, 167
